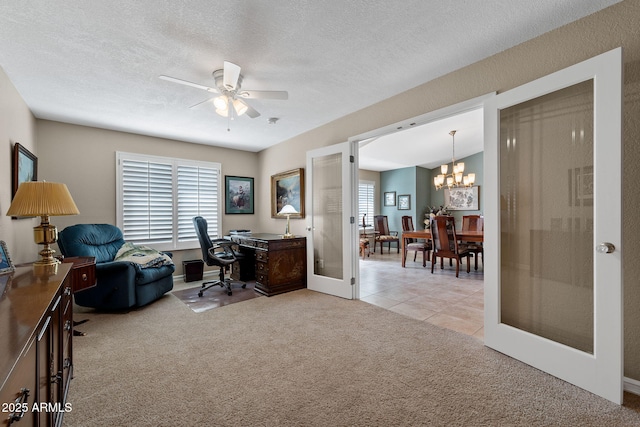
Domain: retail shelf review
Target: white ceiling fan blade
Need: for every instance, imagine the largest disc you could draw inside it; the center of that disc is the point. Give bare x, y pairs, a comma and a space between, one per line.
188, 83
265, 94
231, 75
251, 112
202, 102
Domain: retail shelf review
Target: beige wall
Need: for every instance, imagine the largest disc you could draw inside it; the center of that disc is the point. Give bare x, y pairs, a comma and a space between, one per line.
613, 27
17, 124
84, 158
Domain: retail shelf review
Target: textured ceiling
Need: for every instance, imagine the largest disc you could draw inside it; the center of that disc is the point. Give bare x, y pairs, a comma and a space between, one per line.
97, 63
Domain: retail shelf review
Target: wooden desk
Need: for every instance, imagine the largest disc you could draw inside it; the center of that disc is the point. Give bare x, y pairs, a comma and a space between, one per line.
467, 236
280, 264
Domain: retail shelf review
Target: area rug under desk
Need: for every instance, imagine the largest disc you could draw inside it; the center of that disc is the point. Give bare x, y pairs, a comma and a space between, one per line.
215, 297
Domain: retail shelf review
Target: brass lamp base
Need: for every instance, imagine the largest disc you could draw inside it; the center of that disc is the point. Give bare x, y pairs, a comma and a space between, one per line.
46, 234
45, 270
287, 234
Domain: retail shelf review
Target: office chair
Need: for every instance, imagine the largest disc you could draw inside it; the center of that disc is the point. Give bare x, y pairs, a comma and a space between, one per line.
218, 252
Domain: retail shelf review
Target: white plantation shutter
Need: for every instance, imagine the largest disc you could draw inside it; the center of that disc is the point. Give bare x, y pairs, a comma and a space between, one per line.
158, 197
197, 195
366, 190
147, 201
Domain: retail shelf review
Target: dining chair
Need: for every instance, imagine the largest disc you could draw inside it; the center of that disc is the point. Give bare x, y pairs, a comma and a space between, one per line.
383, 235
414, 244
474, 223
445, 243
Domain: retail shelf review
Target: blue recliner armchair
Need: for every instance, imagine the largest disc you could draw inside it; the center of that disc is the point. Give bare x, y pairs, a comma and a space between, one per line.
120, 284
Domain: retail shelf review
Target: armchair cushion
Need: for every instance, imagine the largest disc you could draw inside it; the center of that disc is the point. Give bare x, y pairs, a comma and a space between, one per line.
101, 241
145, 276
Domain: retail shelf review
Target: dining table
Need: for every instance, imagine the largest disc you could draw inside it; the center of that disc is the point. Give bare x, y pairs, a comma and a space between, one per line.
464, 235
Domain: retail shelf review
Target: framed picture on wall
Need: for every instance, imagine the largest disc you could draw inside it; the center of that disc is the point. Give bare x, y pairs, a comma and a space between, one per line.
287, 188
404, 202
238, 195
390, 198
25, 167
462, 199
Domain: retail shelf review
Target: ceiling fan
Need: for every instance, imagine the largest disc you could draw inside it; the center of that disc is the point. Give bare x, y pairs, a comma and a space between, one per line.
231, 99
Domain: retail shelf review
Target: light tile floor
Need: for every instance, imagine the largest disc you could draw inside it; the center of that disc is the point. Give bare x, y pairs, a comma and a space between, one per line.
439, 298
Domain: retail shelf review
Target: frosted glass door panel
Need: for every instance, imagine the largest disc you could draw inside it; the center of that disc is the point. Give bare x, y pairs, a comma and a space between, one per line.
546, 213
327, 190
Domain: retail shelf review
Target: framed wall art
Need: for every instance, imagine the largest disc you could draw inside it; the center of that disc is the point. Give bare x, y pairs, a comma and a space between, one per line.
462, 199
25, 167
6, 266
287, 188
404, 202
239, 195
389, 198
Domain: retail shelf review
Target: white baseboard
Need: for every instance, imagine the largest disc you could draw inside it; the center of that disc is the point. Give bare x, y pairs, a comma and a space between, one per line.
632, 386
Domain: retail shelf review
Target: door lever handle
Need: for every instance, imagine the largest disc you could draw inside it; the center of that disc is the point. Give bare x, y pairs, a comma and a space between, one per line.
605, 248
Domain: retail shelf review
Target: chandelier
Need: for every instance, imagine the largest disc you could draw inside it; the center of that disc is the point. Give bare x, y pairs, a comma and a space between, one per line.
455, 178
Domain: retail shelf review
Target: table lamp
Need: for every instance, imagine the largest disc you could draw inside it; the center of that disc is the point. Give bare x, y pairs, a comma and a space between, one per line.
43, 199
287, 210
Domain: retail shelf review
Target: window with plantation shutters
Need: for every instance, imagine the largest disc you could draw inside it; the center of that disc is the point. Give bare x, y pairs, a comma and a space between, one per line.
366, 190
158, 197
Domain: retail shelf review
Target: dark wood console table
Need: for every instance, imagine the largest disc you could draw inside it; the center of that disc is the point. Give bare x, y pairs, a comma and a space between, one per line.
36, 346
279, 265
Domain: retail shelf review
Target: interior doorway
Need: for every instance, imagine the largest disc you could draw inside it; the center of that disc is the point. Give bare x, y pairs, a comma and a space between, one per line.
440, 298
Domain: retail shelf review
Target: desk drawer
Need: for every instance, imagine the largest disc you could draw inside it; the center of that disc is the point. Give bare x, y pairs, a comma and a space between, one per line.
83, 277
262, 279
262, 267
262, 256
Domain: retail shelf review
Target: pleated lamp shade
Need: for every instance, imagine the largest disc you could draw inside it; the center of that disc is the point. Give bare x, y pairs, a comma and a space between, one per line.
40, 198
43, 199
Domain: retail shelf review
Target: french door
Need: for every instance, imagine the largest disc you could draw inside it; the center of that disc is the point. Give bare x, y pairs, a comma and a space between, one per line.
553, 282
332, 254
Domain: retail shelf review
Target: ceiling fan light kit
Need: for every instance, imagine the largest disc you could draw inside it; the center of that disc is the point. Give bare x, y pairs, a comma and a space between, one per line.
228, 82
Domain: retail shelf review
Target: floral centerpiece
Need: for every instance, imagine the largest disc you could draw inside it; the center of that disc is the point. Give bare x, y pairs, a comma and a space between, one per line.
433, 211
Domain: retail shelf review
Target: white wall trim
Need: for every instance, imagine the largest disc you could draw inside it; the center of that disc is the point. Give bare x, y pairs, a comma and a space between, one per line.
632, 386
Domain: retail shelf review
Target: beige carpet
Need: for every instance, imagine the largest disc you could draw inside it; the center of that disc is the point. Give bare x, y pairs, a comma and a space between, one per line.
308, 359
